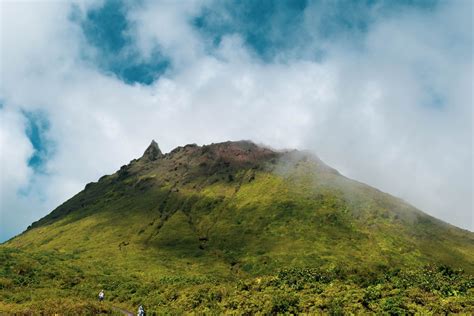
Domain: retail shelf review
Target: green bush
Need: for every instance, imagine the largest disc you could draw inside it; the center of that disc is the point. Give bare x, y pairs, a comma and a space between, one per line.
285, 303
394, 306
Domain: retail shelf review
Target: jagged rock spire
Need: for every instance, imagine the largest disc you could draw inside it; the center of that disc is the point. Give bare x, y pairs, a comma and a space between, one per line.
153, 152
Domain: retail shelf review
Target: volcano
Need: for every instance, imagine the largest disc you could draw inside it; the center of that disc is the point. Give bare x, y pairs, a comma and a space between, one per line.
238, 228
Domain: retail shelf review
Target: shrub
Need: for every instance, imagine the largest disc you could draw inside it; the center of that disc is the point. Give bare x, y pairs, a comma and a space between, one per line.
285, 303
371, 293
394, 306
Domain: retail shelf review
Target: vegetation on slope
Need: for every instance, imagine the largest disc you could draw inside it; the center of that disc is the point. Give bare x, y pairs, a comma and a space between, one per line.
52, 282
234, 227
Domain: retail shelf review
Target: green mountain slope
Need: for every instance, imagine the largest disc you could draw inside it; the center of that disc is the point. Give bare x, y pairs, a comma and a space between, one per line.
233, 227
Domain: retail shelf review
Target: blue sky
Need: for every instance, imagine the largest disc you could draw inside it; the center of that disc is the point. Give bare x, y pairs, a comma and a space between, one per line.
106, 29
381, 90
270, 30
36, 130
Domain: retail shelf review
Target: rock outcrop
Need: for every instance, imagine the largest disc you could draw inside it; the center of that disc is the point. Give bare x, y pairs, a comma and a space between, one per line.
153, 152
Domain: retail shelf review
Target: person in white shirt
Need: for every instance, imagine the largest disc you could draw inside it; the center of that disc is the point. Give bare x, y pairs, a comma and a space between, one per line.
101, 295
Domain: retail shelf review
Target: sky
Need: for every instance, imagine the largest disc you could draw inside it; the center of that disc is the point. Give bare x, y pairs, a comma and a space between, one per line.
380, 90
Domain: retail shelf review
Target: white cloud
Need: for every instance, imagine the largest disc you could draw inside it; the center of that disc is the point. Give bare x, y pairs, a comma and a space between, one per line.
15, 151
15, 148
366, 112
164, 24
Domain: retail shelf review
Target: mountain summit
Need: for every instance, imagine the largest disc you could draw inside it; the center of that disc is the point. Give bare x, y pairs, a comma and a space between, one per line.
153, 152
200, 227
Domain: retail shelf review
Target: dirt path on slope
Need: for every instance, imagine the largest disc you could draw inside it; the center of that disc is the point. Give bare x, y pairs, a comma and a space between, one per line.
123, 311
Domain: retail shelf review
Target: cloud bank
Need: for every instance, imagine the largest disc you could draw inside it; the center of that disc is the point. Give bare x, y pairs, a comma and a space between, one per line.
381, 92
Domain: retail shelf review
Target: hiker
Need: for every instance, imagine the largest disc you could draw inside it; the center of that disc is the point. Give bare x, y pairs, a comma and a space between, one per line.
141, 311
101, 295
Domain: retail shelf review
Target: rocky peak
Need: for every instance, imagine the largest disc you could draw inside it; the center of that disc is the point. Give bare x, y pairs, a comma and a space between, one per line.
153, 152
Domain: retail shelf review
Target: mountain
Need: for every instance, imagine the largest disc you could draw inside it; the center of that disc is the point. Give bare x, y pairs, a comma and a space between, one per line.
235, 227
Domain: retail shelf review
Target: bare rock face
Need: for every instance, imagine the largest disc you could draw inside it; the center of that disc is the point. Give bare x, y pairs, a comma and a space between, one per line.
153, 152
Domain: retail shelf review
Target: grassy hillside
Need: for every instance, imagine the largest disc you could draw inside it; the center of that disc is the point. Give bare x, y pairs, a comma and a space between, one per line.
234, 227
